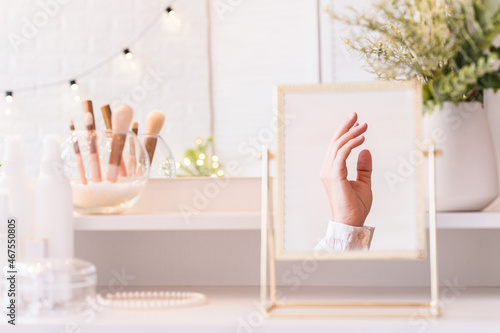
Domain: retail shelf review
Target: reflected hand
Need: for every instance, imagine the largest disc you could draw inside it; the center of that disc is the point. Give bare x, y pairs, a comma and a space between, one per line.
350, 200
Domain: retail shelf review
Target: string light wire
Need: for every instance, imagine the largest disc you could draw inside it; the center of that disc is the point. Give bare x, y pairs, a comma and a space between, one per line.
98, 65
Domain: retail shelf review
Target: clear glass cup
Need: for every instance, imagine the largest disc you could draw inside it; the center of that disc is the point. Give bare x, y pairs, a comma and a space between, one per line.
112, 194
52, 287
163, 162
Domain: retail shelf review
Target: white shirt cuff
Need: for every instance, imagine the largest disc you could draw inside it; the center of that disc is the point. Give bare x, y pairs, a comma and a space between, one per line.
343, 237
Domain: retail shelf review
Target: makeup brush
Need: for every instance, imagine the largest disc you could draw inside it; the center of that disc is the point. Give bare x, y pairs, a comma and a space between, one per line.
108, 120
135, 127
106, 114
121, 119
154, 123
95, 167
78, 155
87, 107
132, 160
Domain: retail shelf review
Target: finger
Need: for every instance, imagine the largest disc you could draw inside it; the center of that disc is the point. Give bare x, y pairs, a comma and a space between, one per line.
346, 126
339, 163
364, 167
347, 137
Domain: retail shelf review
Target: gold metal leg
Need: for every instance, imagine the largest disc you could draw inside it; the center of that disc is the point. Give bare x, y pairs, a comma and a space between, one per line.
433, 230
268, 263
264, 220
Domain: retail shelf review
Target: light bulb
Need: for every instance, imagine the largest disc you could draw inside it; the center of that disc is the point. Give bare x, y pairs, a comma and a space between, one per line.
198, 141
9, 96
199, 162
215, 165
73, 85
187, 161
128, 54
215, 158
170, 11
202, 156
220, 173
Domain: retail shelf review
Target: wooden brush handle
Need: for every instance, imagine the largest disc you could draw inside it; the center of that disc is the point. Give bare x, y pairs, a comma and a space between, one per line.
81, 168
79, 160
115, 157
150, 145
106, 114
95, 167
87, 107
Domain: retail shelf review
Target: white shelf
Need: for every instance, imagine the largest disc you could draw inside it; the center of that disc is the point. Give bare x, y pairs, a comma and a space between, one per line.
236, 309
246, 221
174, 221
469, 220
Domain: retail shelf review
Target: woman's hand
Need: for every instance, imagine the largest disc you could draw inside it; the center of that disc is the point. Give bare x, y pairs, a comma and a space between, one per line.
350, 201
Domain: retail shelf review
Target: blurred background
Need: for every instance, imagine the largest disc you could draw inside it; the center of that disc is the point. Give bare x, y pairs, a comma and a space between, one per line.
210, 66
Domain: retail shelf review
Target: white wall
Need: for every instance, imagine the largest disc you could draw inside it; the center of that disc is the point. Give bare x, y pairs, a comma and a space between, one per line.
77, 35
256, 44
339, 64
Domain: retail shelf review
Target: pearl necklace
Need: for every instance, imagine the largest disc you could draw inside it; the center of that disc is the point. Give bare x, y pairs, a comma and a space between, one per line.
151, 299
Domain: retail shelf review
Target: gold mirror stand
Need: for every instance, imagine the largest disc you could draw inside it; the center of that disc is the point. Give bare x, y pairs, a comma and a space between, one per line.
268, 293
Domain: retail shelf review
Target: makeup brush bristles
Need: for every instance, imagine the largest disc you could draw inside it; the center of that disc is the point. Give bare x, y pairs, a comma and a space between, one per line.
154, 122
122, 117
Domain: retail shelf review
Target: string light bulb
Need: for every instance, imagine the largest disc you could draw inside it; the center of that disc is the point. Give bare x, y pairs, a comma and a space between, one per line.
128, 54
170, 11
73, 85
9, 96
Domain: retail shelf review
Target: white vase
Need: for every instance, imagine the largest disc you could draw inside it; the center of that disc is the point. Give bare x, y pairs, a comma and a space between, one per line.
466, 171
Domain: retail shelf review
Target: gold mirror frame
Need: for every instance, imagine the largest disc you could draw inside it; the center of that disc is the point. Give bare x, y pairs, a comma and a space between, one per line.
279, 193
272, 228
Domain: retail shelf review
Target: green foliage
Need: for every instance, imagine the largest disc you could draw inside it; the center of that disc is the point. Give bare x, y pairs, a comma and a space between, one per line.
445, 44
199, 161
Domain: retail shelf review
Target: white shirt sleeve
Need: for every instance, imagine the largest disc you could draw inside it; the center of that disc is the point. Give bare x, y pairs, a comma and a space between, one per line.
343, 237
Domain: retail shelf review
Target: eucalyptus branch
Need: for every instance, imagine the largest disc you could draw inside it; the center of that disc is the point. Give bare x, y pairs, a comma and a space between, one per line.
446, 44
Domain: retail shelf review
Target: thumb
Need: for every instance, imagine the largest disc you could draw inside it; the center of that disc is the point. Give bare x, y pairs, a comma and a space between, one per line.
365, 167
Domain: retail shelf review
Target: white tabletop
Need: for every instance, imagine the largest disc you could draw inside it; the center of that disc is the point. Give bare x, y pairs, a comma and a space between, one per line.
236, 309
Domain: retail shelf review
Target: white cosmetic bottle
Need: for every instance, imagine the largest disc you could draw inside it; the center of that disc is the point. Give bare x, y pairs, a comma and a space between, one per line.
13, 178
53, 202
